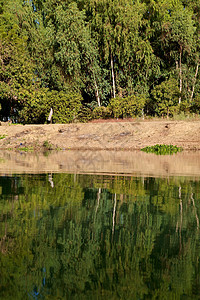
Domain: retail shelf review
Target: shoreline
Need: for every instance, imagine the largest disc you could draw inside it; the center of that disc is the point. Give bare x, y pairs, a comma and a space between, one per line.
96, 136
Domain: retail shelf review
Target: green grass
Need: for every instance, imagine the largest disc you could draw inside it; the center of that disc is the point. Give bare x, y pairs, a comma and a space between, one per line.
47, 145
2, 137
185, 117
162, 149
26, 149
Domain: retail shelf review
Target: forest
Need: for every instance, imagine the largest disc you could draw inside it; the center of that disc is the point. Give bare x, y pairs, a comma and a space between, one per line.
90, 59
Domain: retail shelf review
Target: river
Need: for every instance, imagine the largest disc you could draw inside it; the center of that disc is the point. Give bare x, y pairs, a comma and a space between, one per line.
99, 225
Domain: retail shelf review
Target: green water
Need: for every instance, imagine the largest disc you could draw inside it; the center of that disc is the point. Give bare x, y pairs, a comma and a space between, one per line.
68, 236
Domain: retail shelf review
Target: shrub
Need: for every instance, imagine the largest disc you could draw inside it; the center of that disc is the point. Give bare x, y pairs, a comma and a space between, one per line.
195, 104
36, 106
130, 106
101, 112
47, 145
84, 114
165, 98
66, 106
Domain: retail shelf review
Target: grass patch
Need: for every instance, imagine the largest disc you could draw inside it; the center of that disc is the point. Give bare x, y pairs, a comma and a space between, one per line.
162, 149
47, 145
2, 137
186, 117
26, 149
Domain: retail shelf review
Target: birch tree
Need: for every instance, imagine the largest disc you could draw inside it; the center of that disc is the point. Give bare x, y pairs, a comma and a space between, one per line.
177, 36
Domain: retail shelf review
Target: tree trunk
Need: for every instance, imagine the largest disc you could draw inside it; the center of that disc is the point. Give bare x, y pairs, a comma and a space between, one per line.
97, 93
195, 78
98, 199
114, 212
180, 74
197, 218
113, 75
181, 220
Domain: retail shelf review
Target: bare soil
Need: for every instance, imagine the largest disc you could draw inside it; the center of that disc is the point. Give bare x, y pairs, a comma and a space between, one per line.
110, 135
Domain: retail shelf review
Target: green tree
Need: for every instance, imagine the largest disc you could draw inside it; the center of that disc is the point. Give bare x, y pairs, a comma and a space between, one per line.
130, 106
179, 30
165, 97
122, 36
16, 68
69, 53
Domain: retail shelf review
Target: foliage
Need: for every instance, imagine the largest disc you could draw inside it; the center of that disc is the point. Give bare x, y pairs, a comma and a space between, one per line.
65, 106
195, 104
37, 105
162, 149
84, 114
99, 50
26, 149
102, 112
47, 145
16, 68
130, 106
165, 98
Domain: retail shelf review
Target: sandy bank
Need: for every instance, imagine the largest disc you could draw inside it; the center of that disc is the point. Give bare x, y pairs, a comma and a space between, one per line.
103, 136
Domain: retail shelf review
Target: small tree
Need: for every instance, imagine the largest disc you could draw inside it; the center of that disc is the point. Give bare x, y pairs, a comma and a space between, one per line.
195, 104
166, 97
130, 106
66, 106
36, 106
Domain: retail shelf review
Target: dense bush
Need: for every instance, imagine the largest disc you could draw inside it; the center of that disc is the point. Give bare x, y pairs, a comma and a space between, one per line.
195, 105
130, 106
102, 112
65, 106
32, 105
165, 98
37, 105
84, 114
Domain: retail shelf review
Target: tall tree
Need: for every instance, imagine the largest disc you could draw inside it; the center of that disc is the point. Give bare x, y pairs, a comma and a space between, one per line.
70, 57
16, 68
123, 47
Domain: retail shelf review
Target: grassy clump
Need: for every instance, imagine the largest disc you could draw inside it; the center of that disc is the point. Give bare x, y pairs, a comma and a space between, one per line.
48, 145
26, 149
2, 137
162, 149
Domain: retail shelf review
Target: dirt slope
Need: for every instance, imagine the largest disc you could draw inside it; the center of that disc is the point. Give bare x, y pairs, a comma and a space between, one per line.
103, 136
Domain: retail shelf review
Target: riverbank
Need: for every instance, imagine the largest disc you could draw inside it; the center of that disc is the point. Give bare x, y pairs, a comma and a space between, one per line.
132, 135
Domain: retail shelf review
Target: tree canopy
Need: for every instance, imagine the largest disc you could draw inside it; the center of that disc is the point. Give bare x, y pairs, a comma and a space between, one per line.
98, 51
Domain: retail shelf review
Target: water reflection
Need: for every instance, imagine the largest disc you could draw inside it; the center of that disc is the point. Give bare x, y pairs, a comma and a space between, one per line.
95, 237
135, 163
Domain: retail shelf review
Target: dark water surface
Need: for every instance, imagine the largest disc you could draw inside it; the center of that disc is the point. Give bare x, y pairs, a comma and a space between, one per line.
66, 236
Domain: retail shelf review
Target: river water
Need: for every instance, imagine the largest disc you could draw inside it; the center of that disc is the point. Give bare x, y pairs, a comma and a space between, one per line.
129, 229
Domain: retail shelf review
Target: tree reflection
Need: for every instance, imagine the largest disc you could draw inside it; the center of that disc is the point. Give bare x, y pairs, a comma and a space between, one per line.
99, 237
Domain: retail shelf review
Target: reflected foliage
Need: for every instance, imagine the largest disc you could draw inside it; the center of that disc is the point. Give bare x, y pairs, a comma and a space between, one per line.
93, 237
162, 149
